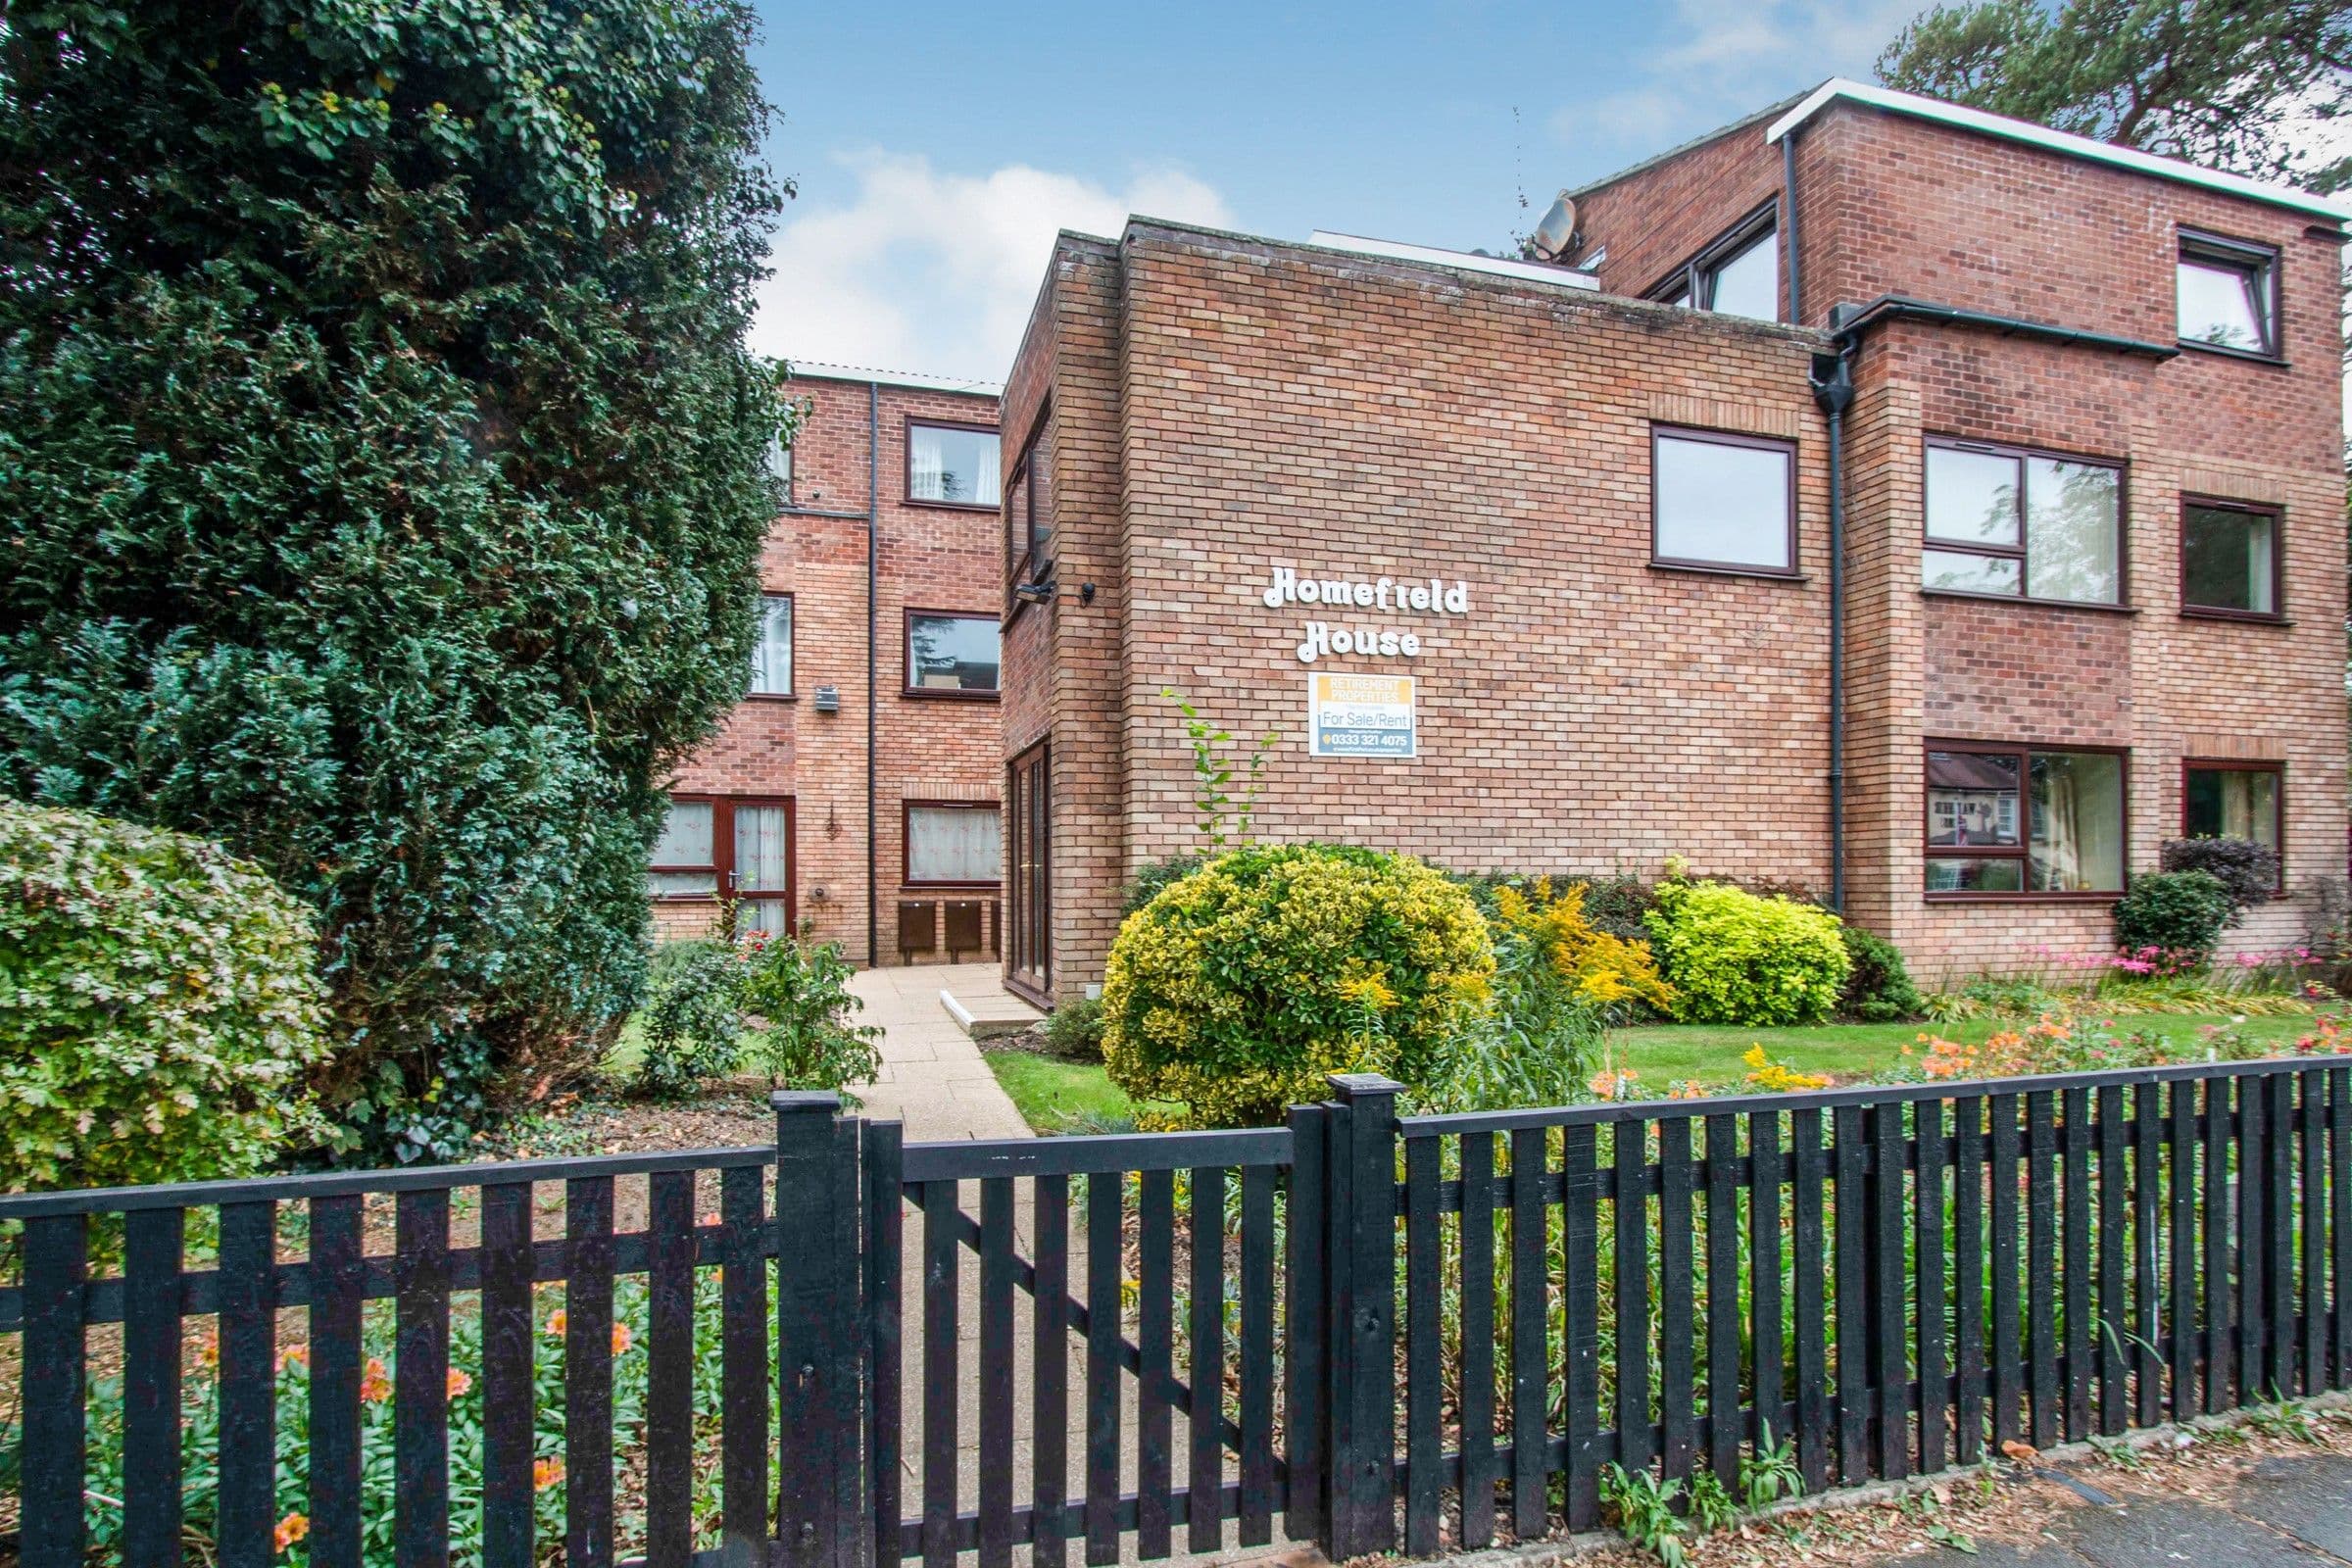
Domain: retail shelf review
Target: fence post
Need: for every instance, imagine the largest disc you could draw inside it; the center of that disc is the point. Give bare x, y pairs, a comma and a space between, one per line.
1360, 1431
820, 1522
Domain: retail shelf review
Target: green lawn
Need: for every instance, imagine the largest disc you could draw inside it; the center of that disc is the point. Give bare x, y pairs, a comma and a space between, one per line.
1052, 1094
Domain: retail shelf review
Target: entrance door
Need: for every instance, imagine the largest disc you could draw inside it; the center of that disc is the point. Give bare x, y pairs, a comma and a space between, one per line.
759, 872
1029, 916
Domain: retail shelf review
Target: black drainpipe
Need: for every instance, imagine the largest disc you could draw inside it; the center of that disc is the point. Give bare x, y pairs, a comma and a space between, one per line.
873, 517
1833, 390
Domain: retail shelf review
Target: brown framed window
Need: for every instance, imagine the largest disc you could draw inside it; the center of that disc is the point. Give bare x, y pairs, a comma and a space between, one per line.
952, 654
2006, 820
1721, 502
1029, 508
2235, 799
952, 844
728, 845
1737, 274
951, 465
2015, 523
771, 652
2232, 559
2228, 294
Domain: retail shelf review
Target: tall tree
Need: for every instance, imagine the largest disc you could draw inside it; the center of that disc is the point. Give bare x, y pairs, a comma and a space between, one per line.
381, 476
2218, 82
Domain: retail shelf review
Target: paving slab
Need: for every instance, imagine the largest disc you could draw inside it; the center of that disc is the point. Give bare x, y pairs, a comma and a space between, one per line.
2308, 1499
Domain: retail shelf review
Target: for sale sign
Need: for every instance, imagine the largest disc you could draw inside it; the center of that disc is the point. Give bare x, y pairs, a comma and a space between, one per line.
1360, 716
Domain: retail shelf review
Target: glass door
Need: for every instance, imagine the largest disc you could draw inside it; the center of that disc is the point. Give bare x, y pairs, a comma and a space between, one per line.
1029, 916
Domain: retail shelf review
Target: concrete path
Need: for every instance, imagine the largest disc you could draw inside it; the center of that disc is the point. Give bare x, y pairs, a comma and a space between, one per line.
932, 1076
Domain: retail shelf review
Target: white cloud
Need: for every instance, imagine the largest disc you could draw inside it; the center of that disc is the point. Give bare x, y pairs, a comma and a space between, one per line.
920, 269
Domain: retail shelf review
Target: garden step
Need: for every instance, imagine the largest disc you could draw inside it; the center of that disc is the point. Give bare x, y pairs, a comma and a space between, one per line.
988, 1017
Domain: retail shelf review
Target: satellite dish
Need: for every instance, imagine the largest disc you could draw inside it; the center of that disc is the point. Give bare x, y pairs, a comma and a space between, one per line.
1557, 230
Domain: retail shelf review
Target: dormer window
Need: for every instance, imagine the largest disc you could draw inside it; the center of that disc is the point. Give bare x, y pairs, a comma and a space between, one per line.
1738, 275
2229, 295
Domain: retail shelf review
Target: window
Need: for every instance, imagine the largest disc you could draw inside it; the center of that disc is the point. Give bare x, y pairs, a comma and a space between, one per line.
951, 465
1723, 500
2009, 820
1029, 508
2229, 561
2023, 524
953, 843
950, 655
771, 655
2229, 295
720, 846
2232, 800
1738, 275
780, 464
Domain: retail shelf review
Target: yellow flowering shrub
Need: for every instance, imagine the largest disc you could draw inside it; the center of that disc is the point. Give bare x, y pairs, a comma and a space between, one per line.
1778, 1077
1234, 991
1602, 967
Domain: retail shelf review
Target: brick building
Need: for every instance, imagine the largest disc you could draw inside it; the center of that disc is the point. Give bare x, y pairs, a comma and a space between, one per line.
2090, 492
857, 782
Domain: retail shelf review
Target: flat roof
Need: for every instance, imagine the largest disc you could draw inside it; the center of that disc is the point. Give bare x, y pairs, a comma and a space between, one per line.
1839, 89
822, 370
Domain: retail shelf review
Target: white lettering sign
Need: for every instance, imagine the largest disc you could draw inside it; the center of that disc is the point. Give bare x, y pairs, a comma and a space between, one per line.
1426, 595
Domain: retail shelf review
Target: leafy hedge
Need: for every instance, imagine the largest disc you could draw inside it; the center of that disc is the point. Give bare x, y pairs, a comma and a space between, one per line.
1734, 957
385, 478
2175, 917
1238, 988
158, 1007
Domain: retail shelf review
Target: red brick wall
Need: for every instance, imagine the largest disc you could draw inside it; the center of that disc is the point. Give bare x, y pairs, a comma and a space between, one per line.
1660, 216
926, 748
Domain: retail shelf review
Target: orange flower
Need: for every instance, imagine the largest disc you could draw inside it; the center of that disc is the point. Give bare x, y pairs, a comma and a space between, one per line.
208, 1353
458, 1382
556, 1322
546, 1473
294, 1356
620, 1339
376, 1387
292, 1528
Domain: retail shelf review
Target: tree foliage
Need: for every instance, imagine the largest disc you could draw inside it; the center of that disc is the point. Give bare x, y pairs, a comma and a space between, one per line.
2218, 84
382, 479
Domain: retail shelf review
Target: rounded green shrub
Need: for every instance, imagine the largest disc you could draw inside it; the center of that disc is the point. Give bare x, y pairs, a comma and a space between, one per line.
1073, 1030
159, 1006
2175, 917
1237, 989
1878, 986
693, 1021
1734, 957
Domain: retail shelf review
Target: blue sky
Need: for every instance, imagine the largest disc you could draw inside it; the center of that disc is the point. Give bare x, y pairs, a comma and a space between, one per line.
939, 146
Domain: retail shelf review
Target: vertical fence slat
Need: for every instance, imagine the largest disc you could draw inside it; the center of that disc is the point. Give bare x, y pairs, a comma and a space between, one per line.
1812, 1329
886, 1333
1305, 1243
1529, 1327
2311, 1196
55, 1432
1968, 1277
2147, 1356
669, 1372
1579, 1290
248, 1482
1723, 1298
2280, 1210
743, 1369
995, 1366
1257, 1355
1155, 1336
942, 1384
1049, 1355
1678, 1430
1105, 1195
1889, 1365
337, 1271
588, 1372
1764, 1272
1204, 1428
2253, 1240
2114, 1320
2180, 1251
2220, 1344
2076, 1240
153, 1246
1630, 1231
2001, 1174
2340, 1221
1478, 1340
1424, 1434
2043, 1397
510, 1397
1851, 1223
420, 1379
1934, 1356
1363, 1309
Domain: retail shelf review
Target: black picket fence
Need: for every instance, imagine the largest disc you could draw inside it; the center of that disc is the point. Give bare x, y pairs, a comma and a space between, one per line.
1420, 1332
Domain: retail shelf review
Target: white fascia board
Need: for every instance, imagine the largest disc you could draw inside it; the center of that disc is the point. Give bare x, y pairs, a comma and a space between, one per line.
1430, 255
822, 370
2058, 141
